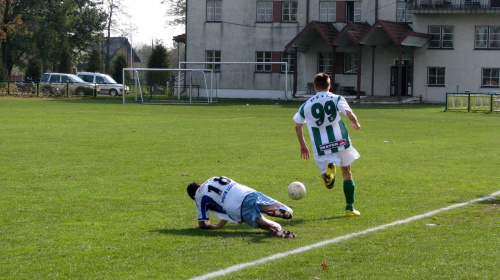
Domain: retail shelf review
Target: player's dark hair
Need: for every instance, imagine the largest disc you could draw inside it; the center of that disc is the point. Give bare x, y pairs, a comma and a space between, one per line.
322, 81
192, 188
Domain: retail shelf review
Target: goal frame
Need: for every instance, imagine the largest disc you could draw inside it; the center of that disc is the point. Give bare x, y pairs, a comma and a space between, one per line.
209, 91
287, 69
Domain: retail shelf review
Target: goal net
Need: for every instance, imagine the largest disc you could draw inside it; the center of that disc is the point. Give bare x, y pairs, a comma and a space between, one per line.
167, 86
263, 80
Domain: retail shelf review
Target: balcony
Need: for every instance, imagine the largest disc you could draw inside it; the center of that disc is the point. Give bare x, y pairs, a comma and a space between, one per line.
453, 6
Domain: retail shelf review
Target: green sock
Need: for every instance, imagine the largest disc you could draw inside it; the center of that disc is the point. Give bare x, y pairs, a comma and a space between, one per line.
349, 194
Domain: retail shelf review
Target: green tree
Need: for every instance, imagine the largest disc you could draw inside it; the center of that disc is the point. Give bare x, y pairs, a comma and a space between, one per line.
94, 62
11, 24
158, 59
47, 29
119, 63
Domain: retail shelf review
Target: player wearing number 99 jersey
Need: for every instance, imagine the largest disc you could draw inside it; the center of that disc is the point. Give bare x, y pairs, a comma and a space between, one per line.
329, 136
237, 203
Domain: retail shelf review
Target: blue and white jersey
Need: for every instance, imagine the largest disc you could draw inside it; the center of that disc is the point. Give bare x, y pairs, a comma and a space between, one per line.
326, 128
221, 196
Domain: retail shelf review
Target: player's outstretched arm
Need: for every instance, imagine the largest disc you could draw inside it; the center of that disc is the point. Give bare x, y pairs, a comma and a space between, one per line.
304, 150
353, 119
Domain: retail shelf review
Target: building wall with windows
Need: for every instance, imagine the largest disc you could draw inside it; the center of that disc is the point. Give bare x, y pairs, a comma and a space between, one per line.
455, 53
237, 32
453, 59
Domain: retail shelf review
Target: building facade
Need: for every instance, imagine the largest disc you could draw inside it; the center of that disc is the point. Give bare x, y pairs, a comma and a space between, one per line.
412, 48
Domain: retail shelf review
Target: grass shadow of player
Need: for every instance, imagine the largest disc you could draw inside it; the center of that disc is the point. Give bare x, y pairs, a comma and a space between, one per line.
254, 235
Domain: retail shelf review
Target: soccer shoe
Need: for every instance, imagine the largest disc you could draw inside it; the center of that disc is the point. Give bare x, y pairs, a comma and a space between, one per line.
278, 232
352, 213
329, 176
278, 212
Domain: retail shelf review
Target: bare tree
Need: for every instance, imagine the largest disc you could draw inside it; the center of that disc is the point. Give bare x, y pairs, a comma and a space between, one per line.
116, 14
176, 12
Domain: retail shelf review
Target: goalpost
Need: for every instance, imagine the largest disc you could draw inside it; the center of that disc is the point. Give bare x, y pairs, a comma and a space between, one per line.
266, 80
167, 86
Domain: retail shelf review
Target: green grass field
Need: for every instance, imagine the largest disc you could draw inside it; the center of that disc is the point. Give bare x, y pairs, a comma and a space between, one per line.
93, 189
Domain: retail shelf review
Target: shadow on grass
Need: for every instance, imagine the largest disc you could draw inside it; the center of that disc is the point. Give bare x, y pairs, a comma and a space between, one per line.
253, 235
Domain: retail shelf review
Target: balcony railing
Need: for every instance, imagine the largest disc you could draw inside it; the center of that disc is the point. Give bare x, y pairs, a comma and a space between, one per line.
490, 6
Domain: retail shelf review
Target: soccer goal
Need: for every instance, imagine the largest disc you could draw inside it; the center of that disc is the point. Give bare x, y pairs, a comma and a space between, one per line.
473, 101
263, 80
167, 86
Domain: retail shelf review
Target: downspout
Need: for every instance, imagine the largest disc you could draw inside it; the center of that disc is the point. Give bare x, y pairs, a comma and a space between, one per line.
307, 12
186, 33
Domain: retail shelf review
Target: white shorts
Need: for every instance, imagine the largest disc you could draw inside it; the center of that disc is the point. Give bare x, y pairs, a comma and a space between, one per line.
342, 158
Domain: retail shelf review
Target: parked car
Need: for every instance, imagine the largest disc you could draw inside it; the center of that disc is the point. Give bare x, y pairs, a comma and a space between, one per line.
107, 84
57, 83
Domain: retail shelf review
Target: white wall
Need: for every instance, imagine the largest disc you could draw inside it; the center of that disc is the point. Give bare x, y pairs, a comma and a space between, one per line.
463, 63
239, 37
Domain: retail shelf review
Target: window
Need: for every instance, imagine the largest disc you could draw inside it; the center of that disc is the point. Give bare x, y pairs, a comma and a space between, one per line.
289, 11
487, 37
441, 37
210, 58
402, 14
263, 57
290, 58
55, 79
435, 76
325, 63
86, 78
353, 11
350, 63
490, 77
327, 11
214, 10
264, 11
100, 80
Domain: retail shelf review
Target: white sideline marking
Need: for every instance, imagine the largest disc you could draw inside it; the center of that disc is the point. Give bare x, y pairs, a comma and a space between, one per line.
238, 267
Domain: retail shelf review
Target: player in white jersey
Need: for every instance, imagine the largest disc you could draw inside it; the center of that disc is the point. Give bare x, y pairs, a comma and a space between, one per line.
237, 203
329, 136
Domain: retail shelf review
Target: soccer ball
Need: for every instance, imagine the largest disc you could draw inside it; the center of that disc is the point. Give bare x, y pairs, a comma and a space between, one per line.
296, 190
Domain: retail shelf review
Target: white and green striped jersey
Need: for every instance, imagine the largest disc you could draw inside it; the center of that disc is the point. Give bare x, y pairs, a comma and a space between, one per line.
327, 130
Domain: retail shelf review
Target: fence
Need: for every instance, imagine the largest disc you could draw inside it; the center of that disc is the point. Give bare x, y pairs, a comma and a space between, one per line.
34, 88
473, 101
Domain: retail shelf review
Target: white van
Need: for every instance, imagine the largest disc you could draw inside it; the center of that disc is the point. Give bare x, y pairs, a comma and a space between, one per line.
107, 84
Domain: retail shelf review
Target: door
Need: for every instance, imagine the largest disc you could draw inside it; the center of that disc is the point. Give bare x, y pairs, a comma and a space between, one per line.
405, 81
